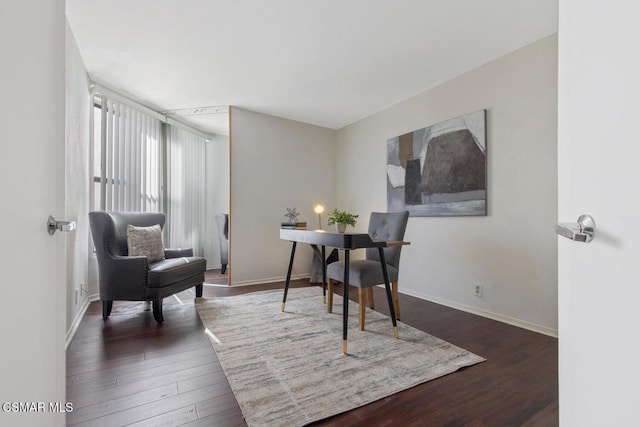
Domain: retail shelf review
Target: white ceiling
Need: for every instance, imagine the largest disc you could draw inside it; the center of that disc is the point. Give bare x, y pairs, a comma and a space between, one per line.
325, 62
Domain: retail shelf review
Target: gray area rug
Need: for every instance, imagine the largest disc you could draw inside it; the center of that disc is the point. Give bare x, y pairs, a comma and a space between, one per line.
287, 369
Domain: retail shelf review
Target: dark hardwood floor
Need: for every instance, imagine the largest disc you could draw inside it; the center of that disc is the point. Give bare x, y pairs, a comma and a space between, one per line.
131, 371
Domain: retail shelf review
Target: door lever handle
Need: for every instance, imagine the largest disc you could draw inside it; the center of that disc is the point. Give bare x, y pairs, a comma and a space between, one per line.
53, 225
582, 231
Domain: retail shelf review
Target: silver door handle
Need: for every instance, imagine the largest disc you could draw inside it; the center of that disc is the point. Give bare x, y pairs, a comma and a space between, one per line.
53, 225
582, 231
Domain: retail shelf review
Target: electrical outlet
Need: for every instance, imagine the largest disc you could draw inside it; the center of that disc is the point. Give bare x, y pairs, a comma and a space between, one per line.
477, 290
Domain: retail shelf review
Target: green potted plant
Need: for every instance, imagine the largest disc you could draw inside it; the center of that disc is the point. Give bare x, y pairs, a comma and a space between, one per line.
341, 219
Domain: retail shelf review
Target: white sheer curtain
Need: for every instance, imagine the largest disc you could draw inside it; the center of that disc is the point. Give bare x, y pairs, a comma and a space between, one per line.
131, 169
185, 189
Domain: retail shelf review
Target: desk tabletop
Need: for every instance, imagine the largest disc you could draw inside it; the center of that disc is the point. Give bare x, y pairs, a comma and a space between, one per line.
327, 238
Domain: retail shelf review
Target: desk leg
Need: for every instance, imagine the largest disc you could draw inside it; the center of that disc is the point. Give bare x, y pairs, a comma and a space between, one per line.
286, 283
345, 302
387, 286
324, 276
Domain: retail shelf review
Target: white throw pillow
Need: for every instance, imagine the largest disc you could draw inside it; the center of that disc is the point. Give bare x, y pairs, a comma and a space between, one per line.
145, 241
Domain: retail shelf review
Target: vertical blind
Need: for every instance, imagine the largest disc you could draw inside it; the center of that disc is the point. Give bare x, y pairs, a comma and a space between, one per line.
137, 158
185, 189
131, 159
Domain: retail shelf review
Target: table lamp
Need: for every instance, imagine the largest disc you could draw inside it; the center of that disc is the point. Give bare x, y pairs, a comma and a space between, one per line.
319, 208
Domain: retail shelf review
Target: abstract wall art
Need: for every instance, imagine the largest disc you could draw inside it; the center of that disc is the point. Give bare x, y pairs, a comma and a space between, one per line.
440, 170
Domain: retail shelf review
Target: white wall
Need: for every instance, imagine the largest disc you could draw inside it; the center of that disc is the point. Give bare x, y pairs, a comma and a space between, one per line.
217, 188
275, 164
512, 251
598, 152
77, 178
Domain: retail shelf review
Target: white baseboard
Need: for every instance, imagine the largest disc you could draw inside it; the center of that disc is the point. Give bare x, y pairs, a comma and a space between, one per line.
269, 280
76, 322
488, 314
473, 310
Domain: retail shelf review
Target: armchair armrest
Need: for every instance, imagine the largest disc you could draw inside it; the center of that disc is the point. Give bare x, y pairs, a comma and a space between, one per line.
178, 252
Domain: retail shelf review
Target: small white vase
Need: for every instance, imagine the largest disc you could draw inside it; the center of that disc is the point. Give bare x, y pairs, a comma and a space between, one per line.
341, 227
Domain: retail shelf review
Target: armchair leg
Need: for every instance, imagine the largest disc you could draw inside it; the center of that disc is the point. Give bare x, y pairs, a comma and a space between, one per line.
396, 303
199, 290
370, 295
106, 309
330, 295
157, 310
223, 270
362, 302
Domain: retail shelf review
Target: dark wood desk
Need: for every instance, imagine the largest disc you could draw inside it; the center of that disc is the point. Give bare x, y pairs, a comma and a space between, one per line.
347, 242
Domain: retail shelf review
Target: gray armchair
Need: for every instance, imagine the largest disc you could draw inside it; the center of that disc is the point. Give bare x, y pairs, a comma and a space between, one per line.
222, 221
134, 278
366, 273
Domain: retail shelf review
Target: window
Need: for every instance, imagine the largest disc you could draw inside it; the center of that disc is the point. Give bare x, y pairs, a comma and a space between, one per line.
134, 154
127, 158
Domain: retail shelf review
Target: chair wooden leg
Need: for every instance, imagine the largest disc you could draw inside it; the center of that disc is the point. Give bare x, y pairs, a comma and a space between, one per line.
330, 295
396, 303
362, 302
199, 290
370, 294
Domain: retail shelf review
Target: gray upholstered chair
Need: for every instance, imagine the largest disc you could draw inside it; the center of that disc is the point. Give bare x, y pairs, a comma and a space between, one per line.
134, 278
366, 273
222, 221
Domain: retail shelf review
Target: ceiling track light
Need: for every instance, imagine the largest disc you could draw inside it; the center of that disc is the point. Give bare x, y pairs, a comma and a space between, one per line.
198, 111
